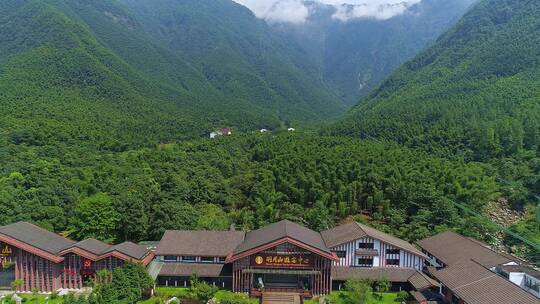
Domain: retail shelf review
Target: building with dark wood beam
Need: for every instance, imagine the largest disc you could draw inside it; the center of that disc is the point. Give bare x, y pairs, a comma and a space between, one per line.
48, 262
285, 256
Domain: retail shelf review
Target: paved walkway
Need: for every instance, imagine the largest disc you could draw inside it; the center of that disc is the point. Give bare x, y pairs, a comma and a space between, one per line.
280, 298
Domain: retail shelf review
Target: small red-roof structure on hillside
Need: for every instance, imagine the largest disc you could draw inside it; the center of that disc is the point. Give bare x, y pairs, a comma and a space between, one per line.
221, 132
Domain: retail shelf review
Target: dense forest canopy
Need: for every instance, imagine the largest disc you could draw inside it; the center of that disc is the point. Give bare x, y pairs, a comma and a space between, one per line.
474, 95
96, 140
475, 92
248, 180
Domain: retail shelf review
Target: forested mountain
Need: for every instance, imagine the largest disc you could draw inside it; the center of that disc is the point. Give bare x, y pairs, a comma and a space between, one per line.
100, 101
61, 83
474, 95
88, 70
475, 92
239, 55
357, 54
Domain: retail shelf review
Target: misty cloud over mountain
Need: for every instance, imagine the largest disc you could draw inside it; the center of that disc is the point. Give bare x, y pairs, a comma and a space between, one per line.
298, 11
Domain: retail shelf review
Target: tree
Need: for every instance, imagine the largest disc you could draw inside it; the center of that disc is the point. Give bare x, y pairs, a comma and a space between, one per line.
382, 285
200, 290
126, 285
133, 224
95, 217
318, 217
212, 217
402, 296
359, 291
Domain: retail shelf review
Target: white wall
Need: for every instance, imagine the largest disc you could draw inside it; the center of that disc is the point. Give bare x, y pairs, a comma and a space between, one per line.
406, 259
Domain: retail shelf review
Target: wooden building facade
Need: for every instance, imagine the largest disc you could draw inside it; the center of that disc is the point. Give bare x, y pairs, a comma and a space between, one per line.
47, 262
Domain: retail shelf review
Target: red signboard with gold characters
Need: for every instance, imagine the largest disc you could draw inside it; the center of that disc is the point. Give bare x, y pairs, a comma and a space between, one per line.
275, 260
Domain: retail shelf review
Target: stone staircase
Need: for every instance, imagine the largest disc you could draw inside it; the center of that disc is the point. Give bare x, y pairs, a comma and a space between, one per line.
280, 298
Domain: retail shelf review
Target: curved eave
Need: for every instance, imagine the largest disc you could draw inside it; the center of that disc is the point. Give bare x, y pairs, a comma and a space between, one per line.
91, 256
234, 257
29, 248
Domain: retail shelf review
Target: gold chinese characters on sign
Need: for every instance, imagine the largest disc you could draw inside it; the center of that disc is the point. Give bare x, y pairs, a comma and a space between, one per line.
282, 260
6, 250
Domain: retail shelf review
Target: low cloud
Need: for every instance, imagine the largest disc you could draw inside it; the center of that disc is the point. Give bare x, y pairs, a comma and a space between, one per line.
280, 11
376, 10
296, 11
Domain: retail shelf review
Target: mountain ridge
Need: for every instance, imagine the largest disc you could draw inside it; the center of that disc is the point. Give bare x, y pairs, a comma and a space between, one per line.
473, 92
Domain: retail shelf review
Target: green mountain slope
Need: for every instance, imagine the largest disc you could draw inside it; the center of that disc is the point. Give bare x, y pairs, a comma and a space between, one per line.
475, 92
239, 55
61, 83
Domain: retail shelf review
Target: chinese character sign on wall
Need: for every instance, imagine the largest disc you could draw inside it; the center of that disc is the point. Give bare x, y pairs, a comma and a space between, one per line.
269, 260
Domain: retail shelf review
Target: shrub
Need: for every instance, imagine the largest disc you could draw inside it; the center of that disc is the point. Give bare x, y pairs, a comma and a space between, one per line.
402, 296
359, 291
201, 291
233, 298
16, 284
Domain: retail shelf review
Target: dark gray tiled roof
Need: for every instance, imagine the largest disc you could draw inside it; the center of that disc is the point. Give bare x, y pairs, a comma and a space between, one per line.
96, 247
130, 249
393, 274
421, 281
187, 269
475, 284
36, 237
343, 234
281, 230
353, 231
451, 248
199, 243
54, 244
92, 245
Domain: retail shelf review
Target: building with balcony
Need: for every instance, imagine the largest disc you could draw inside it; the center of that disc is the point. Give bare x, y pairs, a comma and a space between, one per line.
285, 256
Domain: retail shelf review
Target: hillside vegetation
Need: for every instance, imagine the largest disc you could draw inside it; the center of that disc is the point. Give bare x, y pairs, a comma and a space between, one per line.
474, 95
249, 180
475, 92
104, 104
239, 55
87, 72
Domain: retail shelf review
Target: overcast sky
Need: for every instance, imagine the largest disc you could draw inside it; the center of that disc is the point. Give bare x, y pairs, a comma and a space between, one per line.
294, 11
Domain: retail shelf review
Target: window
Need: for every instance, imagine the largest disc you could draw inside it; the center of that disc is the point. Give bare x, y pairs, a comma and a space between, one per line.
341, 253
222, 259
532, 284
188, 259
392, 251
392, 262
365, 262
366, 245
207, 259
455, 300
170, 258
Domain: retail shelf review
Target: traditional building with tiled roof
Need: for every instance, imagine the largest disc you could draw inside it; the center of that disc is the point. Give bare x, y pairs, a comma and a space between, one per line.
288, 256
472, 273
48, 262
